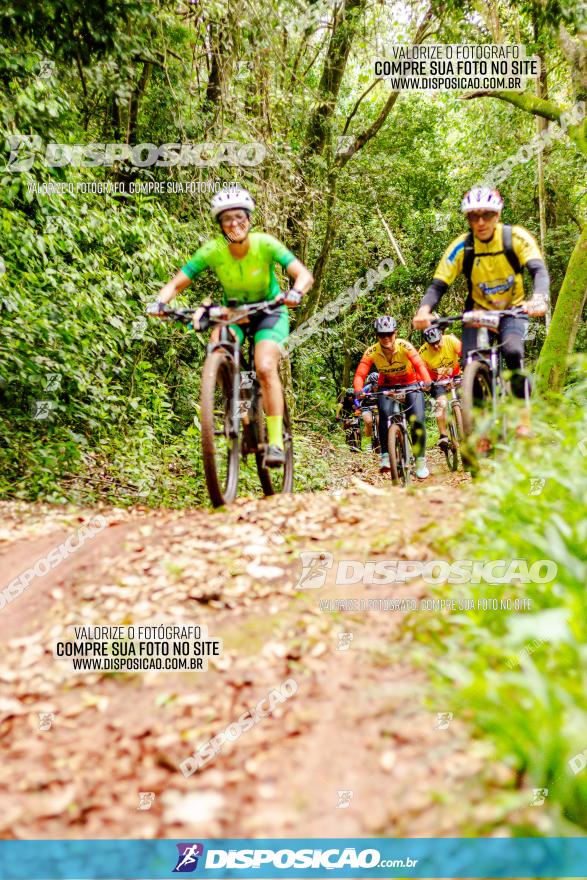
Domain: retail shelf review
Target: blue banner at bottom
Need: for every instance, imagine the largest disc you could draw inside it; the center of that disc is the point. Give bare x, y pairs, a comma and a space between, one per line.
373, 857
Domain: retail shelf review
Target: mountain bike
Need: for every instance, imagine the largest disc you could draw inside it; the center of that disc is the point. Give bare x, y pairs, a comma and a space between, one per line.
454, 420
352, 432
231, 405
484, 388
401, 457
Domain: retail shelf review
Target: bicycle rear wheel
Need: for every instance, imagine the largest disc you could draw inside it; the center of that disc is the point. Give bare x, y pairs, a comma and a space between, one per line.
275, 480
219, 446
400, 472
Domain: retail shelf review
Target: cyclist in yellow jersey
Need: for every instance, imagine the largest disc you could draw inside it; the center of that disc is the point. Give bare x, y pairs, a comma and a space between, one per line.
243, 262
493, 257
441, 353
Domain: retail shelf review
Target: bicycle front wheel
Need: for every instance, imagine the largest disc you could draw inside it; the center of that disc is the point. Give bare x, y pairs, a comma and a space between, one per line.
219, 439
400, 472
477, 400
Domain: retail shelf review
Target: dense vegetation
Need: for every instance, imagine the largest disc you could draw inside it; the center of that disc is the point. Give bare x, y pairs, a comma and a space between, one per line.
97, 403
80, 266
532, 508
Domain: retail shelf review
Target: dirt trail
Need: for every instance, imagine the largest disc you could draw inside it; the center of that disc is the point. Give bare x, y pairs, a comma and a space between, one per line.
356, 751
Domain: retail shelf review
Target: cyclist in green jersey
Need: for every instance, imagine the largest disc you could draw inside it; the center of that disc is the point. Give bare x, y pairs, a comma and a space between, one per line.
243, 262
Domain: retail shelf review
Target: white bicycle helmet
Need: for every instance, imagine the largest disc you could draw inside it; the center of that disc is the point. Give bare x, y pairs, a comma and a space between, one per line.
231, 198
482, 198
385, 324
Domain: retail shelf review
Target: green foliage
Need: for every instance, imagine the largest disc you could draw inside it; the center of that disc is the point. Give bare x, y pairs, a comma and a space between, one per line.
522, 676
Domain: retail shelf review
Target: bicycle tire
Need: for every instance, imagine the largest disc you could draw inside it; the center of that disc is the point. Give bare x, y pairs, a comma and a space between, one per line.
451, 453
458, 417
218, 371
397, 456
476, 386
476, 378
268, 484
375, 435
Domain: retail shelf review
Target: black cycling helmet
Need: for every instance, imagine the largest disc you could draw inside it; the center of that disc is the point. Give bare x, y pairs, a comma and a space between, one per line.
385, 324
432, 335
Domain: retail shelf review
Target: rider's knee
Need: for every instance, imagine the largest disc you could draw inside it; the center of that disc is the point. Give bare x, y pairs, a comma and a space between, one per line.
266, 367
512, 347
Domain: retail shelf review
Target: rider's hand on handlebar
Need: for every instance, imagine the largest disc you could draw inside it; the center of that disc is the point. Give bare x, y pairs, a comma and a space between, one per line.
422, 318
536, 306
293, 297
156, 309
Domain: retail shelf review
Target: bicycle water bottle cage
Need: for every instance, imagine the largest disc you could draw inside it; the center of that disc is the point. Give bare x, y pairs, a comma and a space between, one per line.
481, 318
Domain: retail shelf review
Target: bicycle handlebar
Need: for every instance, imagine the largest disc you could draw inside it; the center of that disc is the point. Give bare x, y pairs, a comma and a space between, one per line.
474, 316
213, 314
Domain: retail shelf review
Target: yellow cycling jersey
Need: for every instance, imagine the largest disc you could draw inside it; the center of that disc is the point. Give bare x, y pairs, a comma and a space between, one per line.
493, 282
445, 362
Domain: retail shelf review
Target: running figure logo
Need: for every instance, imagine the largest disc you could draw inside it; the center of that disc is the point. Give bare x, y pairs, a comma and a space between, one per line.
314, 570
187, 860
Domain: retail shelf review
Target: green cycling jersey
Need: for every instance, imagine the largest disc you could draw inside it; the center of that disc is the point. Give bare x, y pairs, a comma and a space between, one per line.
246, 280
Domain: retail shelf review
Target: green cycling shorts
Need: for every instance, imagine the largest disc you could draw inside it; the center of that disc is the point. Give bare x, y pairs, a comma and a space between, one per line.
266, 325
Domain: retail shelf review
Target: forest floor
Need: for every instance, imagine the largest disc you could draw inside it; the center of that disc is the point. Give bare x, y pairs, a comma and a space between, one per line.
358, 750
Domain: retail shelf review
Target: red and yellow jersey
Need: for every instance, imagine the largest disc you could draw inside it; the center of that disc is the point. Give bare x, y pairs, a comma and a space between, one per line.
404, 366
445, 362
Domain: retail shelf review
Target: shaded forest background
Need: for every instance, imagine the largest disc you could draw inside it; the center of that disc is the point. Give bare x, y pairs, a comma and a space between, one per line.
295, 77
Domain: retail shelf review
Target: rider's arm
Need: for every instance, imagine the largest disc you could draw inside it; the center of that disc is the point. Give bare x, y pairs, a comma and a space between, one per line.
302, 277
173, 287
434, 293
530, 256
447, 270
419, 365
278, 252
362, 371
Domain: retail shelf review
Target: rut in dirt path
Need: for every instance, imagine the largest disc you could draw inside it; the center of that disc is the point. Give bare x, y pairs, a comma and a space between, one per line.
355, 751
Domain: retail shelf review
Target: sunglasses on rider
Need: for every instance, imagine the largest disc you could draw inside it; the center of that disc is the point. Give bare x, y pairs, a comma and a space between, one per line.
483, 215
385, 335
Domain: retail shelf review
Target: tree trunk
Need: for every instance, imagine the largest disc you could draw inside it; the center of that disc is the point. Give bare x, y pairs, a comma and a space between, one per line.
552, 363
346, 367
